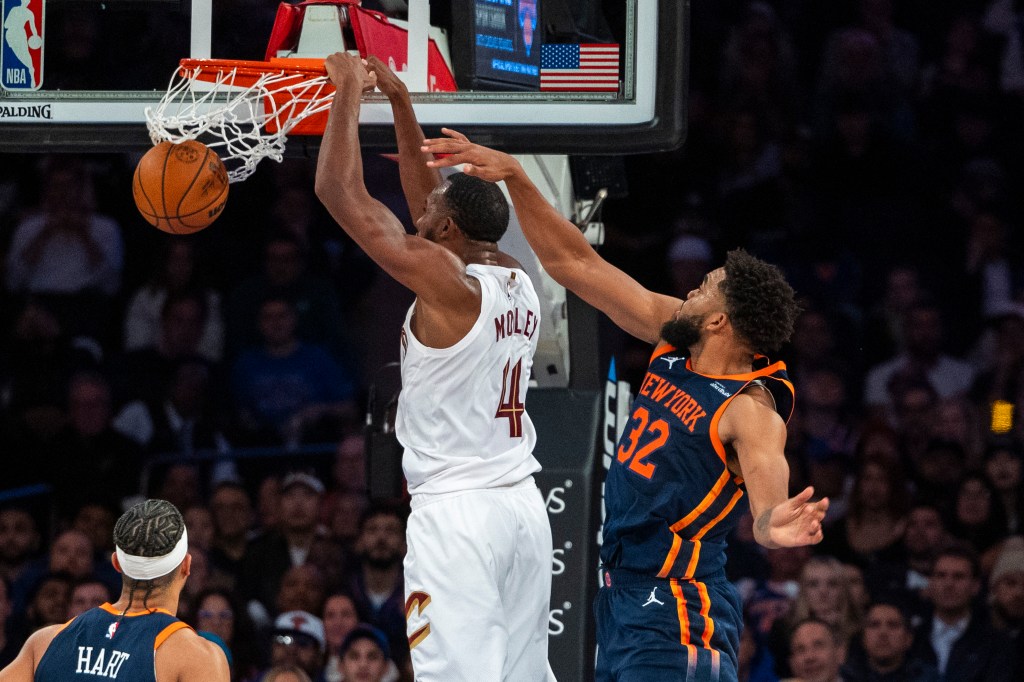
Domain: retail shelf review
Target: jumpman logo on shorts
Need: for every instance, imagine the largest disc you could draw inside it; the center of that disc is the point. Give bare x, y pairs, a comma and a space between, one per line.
652, 599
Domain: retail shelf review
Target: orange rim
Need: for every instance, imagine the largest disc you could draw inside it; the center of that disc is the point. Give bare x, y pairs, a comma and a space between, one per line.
211, 69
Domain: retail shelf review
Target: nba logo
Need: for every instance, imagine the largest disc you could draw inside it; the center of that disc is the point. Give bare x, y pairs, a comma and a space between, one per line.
21, 51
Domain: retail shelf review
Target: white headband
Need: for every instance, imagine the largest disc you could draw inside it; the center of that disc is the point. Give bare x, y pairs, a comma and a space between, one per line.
149, 567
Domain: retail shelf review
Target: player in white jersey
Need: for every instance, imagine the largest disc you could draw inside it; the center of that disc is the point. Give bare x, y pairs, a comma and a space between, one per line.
478, 568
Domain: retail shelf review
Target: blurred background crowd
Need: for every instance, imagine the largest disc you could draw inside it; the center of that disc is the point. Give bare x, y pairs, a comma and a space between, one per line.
872, 148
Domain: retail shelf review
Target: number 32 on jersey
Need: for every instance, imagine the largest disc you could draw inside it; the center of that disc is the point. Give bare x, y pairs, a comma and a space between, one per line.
653, 435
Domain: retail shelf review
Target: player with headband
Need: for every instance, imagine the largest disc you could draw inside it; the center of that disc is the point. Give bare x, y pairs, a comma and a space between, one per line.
138, 638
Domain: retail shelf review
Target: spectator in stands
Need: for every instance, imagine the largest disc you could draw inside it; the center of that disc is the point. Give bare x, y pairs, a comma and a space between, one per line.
922, 356
216, 610
365, 655
180, 485
827, 422
298, 639
908, 573
199, 522
34, 369
182, 319
19, 542
977, 516
68, 251
956, 420
48, 602
97, 522
1001, 352
177, 272
300, 540
689, 259
876, 518
914, 402
183, 419
91, 462
286, 385
232, 513
887, 639
938, 469
1004, 467
856, 586
340, 618
773, 600
884, 327
824, 596
302, 589
268, 504
1006, 596
284, 275
961, 645
817, 652
377, 583
87, 593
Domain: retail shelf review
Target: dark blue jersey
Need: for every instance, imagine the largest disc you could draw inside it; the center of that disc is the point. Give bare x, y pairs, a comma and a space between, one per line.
670, 498
95, 645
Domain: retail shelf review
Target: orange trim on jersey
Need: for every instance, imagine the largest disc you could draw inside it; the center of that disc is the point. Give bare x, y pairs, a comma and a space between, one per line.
708, 500
694, 557
61, 628
721, 515
716, 441
684, 623
747, 376
661, 349
670, 559
684, 618
167, 632
705, 610
111, 610
792, 396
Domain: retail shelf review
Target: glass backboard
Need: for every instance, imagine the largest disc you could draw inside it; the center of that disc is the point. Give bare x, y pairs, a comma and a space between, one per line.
78, 75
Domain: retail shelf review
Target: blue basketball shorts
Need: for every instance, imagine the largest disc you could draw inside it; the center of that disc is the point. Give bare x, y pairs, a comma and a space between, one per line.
666, 629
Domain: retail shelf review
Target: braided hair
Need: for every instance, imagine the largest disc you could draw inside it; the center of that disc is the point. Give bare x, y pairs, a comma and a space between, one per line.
149, 529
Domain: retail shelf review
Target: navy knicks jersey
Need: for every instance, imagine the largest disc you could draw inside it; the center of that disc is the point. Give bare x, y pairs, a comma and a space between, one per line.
95, 646
670, 498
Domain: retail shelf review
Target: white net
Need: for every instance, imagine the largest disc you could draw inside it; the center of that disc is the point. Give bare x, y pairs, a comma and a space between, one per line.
242, 113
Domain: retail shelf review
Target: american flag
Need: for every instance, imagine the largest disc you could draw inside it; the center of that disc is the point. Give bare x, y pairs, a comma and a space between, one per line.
579, 68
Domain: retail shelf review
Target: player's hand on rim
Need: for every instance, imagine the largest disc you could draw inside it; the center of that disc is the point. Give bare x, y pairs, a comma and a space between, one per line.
477, 160
348, 71
387, 82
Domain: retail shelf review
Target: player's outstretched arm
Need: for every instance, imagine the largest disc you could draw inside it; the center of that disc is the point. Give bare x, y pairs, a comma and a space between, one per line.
433, 272
23, 667
563, 250
418, 179
757, 434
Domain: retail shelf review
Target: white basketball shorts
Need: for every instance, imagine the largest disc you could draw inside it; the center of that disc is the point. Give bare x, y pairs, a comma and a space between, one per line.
478, 585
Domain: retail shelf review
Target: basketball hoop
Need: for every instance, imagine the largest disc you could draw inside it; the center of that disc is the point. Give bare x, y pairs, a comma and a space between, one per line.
243, 110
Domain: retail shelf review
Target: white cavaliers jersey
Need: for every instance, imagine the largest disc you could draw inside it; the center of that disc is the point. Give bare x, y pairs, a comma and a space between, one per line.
461, 414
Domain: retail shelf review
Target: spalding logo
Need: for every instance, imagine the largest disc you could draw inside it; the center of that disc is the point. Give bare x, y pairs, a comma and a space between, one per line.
215, 210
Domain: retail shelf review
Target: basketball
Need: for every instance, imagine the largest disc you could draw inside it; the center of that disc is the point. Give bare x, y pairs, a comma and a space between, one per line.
180, 188
35, 42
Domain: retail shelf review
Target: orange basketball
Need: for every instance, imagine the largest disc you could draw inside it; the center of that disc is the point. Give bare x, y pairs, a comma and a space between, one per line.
180, 188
